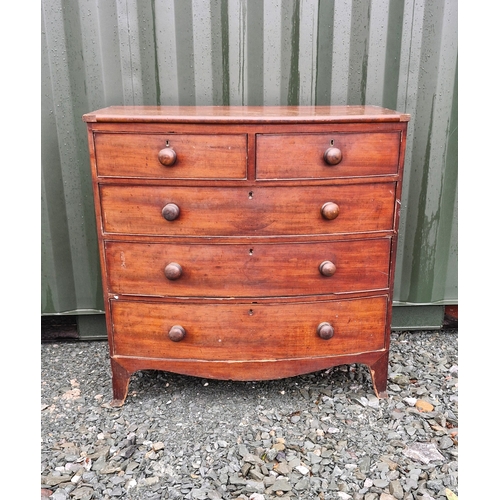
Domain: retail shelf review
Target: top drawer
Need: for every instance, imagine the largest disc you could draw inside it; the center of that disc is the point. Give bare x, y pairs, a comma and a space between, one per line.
304, 156
171, 156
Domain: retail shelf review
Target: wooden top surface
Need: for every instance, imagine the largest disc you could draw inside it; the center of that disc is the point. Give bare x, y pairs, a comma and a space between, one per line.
245, 114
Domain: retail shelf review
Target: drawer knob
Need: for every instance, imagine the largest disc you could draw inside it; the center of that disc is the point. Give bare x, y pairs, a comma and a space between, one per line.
170, 211
176, 333
167, 157
173, 271
327, 268
325, 330
333, 156
330, 210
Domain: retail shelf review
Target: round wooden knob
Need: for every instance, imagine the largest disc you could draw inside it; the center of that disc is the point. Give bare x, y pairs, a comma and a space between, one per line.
333, 156
170, 211
330, 210
327, 268
325, 330
176, 333
167, 157
173, 271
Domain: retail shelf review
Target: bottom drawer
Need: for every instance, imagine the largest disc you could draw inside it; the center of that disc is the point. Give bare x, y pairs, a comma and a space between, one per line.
246, 331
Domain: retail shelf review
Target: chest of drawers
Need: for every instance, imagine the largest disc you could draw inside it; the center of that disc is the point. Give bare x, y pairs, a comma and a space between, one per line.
247, 243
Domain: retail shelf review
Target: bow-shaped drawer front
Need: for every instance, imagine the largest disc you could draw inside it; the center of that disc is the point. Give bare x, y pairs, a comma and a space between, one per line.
253, 211
248, 270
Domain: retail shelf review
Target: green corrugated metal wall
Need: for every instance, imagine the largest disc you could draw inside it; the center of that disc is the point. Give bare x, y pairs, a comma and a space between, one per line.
400, 54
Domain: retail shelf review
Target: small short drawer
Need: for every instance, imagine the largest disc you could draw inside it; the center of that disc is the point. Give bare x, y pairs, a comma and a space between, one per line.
238, 211
327, 156
171, 156
235, 332
245, 270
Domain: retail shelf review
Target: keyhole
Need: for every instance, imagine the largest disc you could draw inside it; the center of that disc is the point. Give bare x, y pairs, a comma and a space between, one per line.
250, 195
250, 312
331, 142
250, 252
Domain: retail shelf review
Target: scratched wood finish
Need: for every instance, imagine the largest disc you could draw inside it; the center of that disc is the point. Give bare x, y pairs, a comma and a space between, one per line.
250, 211
246, 114
281, 269
199, 156
228, 239
301, 156
248, 331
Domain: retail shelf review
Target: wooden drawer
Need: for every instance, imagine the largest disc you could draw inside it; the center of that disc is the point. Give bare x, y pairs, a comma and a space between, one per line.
301, 156
197, 156
261, 211
228, 331
262, 270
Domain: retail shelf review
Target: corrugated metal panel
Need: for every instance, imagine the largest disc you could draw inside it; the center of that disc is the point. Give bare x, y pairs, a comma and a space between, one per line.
400, 54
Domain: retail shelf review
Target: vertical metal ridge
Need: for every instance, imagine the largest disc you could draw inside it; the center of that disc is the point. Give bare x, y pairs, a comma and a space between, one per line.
185, 54
447, 243
203, 55
294, 72
216, 52
237, 52
255, 53
286, 14
167, 50
373, 80
393, 50
422, 252
358, 56
324, 51
155, 54
224, 25
341, 52
273, 48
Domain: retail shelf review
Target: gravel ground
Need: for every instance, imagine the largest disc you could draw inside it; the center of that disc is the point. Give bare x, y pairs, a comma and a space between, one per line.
318, 436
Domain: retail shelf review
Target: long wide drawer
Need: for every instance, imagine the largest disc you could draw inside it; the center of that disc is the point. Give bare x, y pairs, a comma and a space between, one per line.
196, 156
228, 331
239, 211
302, 156
247, 270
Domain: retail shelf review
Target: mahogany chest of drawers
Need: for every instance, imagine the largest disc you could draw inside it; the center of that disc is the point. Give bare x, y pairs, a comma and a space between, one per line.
247, 243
